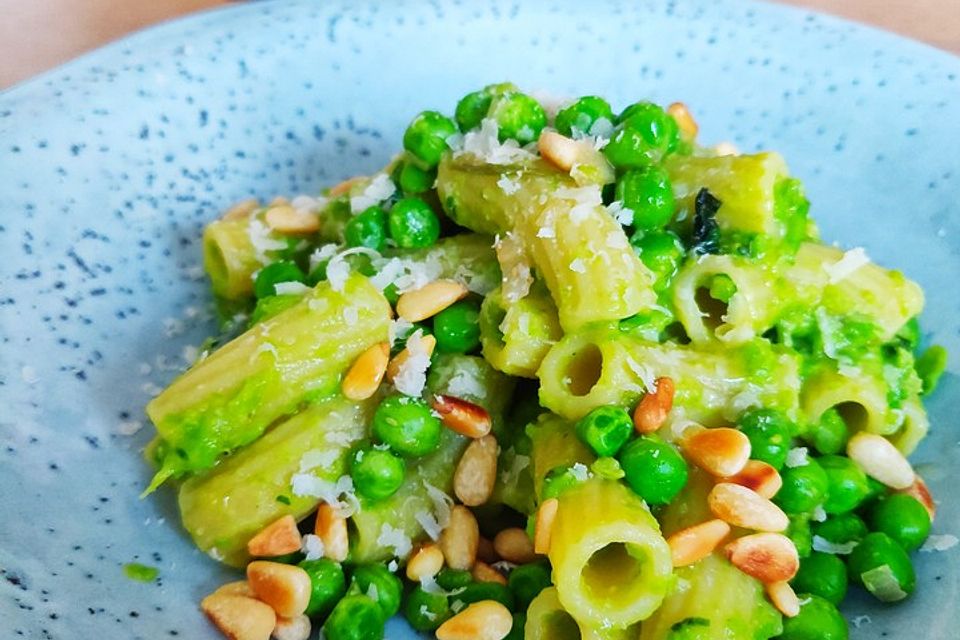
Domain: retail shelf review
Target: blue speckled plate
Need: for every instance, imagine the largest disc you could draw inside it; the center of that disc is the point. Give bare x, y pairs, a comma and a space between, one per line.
110, 165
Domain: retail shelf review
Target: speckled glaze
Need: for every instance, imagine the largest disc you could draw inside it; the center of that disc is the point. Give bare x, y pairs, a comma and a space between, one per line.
110, 165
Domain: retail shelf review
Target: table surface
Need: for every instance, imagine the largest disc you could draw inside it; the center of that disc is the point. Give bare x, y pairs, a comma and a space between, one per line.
36, 35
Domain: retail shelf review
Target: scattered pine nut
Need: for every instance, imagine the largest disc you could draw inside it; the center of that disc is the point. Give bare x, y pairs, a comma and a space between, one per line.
278, 201
484, 620
720, 452
466, 418
482, 572
427, 344
688, 126
239, 617
235, 588
543, 529
485, 551
559, 150
343, 187
881, 460
654, 407
460, 539
287, 220
297, 628
241, 210
284, 587
921, 493
278, 538
782, 596
331, 528
476, 472
743, 507
768, 557
425, 562
429, 300
695, 543
367, 371
759, 476
514, 545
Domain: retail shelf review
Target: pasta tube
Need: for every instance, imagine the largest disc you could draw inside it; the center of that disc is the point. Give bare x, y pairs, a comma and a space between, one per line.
229, 258
554, 444
517, 335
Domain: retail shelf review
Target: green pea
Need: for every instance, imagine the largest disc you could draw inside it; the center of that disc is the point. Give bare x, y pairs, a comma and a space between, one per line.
804, 488
327, 585
451, 579
377, 583
527, 581
582, 115
769, 432
654, 469
824, 575
426, 611
477, 591
930, 367
356, 617
270, 306
414, 180
457, 328
799, 532
518, 116
605, 429
662, 252
275, 273
818, 619
367, 229
878, 490
722, 288
903, 518
407, 425
472, 109
557, 481
426, 137
848, 484
842, 528
516, 631
883, 567
413, 224
647, 192
644, 135
829, 435
377, 473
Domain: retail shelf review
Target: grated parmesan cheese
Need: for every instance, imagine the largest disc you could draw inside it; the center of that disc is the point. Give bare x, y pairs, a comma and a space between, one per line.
847, 265
290, 288
646, 376
507, 185
620, 213
314, 458
578, 266
797, 457
312, 547
379, 189
484, 143
339, 494
825, 546
546, 232
819, 514
394, 538
322, 254
397, 328
585, 199
580, 472
262, 241
129, 427
939, 542
411, 377
308, 204
858, 621
465, 385
338, 269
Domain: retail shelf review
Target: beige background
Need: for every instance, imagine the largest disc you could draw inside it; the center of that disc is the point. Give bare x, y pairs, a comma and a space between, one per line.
36, 35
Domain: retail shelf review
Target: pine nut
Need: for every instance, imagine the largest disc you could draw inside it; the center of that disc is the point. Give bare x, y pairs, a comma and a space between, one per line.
241, 210
482, 572
429, 300
466, 418
743, 507
760, 477
331, 528
485, 551
286, 219
476, 472
484, 620
284, 587
921, 493
559, 150
654, 407
366, 372
235, 588
297, 628
782, 596
684, 119
276, 539
239, 617
460, 539
880, 460
425, 562
768, 557
514, 545
726, 149
543, 528
278, 201
695, 543
426, 345
720, 452
341, 188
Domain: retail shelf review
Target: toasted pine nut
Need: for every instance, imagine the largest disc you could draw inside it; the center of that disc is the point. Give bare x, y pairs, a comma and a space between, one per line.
514, 545
426, 345
235, 588
759, 476
543, 529
482, 572
278, 201
695, 543
429, 300
726, 149
921, 492
559, 150
241, 210
460, 539
654, 407
688, 126
484, 620
485, 551
331, 528
782, 596
343, 187
466, 418
239, 617
880, 460
276, 539
476, 472
743, 507
720, 452
768, 557
284, 587
286, 219
425, 562
297, 628
366, 372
